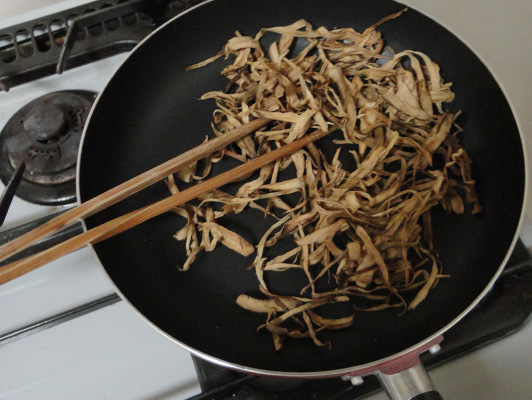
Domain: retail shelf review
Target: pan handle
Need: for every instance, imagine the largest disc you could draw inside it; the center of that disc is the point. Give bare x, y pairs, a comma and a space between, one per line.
409, 384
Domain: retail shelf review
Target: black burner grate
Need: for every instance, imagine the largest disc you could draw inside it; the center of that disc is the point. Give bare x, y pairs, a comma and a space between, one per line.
38, 48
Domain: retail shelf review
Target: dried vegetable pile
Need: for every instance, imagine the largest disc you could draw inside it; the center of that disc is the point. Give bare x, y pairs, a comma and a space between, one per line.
368, 229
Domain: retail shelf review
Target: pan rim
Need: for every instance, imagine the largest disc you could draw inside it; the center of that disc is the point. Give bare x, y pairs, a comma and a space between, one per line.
366, 368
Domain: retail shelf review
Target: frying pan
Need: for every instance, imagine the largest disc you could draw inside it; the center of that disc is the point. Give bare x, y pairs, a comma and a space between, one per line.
150, 112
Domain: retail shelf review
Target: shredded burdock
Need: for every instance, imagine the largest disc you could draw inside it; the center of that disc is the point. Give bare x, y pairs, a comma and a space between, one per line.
366, 228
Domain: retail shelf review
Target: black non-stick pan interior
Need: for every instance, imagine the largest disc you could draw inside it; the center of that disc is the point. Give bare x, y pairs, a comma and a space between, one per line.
150, 112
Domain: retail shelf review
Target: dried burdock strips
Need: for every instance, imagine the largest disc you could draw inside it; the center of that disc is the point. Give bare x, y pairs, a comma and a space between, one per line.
363, 229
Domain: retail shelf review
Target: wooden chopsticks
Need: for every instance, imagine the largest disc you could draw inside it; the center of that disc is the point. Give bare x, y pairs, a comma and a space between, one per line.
128, 188
127, 221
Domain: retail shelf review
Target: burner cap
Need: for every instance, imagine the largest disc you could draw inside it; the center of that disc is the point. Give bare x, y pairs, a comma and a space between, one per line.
46, 121
46, 135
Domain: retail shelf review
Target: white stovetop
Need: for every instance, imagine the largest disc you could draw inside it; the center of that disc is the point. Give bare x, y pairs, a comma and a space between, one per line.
113, 354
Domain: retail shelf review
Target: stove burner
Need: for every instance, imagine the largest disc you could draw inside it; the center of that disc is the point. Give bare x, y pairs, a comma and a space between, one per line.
46, 135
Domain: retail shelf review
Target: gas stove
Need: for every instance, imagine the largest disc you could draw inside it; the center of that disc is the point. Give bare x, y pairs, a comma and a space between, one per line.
64, 333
